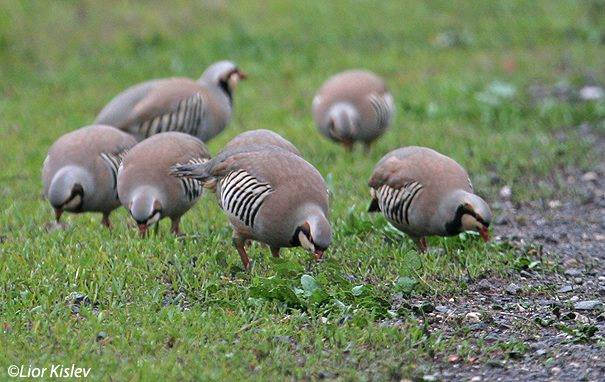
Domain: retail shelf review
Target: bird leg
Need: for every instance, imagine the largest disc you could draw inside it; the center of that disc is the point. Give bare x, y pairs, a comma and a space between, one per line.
175, 229
348, 145
238, 242
275, 252
58, 213
421, 243
156, 229
105, 221
367, 147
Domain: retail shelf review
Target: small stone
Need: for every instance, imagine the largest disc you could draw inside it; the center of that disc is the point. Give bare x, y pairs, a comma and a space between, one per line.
574, 298
429, 378
476, 378
587, 305
506, 192
554, 204
540, 352
484, 285
453, 358
565, 289
324, 320
599, 237
442, 309
101, 336
578, 280
477, 326
473, 316
573, 272
555, 370
591, 93
512, 288
590, 176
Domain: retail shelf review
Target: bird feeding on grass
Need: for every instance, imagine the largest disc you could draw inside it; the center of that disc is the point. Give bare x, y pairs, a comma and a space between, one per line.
353, 106
145, 186
423, 193
270, 195
200, 108
78, 173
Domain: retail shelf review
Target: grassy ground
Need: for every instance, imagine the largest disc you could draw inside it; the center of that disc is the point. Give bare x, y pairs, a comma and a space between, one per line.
130, 309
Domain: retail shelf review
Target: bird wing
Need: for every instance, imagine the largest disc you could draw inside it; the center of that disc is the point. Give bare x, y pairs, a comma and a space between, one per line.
176, 105
114, 161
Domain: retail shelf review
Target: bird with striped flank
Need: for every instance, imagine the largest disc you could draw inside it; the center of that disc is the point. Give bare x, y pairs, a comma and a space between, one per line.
199, 108
261, 137
147, 189
353, 106
78, 174
423, 193
270, 195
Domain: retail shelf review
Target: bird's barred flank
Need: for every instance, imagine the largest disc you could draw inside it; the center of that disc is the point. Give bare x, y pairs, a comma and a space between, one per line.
383, 107
191, 187
114, 160
187, 118
395, 203
242, 195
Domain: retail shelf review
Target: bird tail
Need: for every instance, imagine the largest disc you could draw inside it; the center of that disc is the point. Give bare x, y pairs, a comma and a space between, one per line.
374, 205
196, 169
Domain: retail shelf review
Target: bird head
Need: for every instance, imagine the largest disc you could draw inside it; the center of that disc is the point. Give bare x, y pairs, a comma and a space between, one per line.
343, 120
314, 235
68, 188
145, 208
474, 215
224, 74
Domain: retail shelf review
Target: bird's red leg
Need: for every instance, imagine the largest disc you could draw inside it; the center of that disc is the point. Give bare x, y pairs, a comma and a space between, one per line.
421, 244
105, 221
238, 242
58, 213
275, 252
175, 229
367, 147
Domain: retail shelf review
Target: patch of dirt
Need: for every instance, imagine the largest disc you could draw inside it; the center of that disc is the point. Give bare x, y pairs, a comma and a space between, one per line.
537, 325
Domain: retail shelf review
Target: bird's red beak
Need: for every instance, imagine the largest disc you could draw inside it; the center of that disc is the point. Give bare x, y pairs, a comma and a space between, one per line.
142, 229
318, 254
484, 234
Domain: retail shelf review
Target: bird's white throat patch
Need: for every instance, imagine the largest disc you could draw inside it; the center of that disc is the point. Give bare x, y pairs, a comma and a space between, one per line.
305, 242
73, 203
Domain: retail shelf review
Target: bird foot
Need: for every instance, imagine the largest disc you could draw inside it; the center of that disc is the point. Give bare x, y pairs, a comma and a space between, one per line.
54, 226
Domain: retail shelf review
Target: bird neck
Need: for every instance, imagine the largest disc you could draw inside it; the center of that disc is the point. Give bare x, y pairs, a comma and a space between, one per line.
451, 211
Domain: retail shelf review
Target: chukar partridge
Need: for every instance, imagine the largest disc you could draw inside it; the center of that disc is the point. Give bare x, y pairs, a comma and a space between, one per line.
80, 171
261, 137
270, 195
353, 106
200, 108
147, 189
423, 193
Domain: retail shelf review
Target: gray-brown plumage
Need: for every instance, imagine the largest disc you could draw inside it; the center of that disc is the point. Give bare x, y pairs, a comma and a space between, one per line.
353, 106
78, 174
147, 189
423, 193
260, 137
270, 195
200, 108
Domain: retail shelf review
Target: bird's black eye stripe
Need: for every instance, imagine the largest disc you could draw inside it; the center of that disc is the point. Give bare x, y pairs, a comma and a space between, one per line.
296, 241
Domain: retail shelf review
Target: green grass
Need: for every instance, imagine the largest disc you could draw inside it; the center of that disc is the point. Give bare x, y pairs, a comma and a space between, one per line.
163, 308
